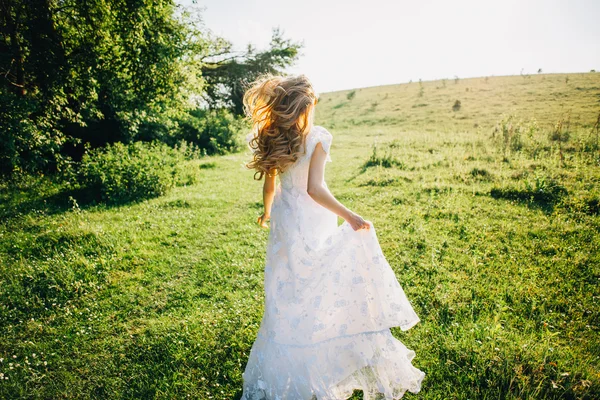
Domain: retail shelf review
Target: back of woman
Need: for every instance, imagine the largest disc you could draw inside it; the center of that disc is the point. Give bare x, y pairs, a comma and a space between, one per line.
330, 295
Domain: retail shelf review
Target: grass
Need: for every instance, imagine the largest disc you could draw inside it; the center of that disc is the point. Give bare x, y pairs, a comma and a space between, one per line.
495, 246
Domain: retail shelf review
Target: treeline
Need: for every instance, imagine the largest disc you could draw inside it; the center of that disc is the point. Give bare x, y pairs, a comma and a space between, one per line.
78, 75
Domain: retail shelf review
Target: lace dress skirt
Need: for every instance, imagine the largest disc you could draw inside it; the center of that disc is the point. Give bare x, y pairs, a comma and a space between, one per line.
330, 299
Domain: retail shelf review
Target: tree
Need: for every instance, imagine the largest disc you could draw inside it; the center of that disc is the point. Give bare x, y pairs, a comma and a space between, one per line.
98, 72
34, 70
228, 73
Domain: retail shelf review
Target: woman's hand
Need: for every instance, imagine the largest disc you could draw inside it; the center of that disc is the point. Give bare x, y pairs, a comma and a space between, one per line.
262, 220
357, 222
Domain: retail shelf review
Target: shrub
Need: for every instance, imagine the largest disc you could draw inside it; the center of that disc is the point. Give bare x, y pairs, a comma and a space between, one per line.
456, 106
542, 190
385, 161
480, 173
121, 173
213, 131
351, 95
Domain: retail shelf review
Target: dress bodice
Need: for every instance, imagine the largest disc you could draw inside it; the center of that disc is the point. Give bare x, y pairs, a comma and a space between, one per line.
295, 178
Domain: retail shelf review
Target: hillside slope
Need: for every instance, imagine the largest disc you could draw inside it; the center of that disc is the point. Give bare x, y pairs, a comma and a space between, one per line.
429, 105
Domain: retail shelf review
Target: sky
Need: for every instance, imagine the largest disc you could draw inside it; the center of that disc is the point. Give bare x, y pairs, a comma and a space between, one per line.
352, 44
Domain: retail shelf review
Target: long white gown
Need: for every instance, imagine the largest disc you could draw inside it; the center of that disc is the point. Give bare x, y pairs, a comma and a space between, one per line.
330, 299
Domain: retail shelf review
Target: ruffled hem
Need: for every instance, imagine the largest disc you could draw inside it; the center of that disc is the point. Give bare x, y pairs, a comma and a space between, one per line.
375, 362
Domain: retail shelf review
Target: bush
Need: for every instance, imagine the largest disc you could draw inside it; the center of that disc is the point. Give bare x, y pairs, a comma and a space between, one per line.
213, 131
481, 173
543, 189
385, 161
121, 173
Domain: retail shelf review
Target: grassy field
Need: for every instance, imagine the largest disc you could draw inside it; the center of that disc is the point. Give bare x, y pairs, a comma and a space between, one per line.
488, 212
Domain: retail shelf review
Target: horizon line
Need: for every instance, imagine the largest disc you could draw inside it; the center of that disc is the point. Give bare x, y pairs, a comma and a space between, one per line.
591, 71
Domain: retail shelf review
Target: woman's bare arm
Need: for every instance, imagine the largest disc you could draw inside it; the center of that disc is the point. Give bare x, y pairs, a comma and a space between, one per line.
268, 194
323, 196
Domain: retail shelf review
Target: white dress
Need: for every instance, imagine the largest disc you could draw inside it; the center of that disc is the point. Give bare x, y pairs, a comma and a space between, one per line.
330, 299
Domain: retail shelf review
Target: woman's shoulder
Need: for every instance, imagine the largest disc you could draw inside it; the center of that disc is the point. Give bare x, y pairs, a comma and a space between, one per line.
319, 133
321, 129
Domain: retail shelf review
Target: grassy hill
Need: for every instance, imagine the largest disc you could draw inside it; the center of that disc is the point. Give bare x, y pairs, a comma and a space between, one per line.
428, 106
488, 213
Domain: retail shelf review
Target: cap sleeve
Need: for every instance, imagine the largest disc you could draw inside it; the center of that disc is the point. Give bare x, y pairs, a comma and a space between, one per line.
320, 135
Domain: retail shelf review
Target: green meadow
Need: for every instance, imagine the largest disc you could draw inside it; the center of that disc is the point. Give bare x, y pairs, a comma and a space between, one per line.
485, 196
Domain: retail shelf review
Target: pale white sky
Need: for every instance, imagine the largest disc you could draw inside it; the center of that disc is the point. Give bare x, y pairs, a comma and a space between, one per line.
350, 43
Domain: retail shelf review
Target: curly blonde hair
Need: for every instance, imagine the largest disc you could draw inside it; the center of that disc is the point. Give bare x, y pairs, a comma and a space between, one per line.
280, 111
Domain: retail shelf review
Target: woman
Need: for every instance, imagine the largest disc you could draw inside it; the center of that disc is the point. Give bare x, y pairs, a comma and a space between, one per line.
330, 295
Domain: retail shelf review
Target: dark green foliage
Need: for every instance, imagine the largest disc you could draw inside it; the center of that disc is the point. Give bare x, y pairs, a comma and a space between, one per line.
26, 144
88, 72
386, 161
122, 173
351, 94
213, 131
78, 72
481, 173
542, 190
